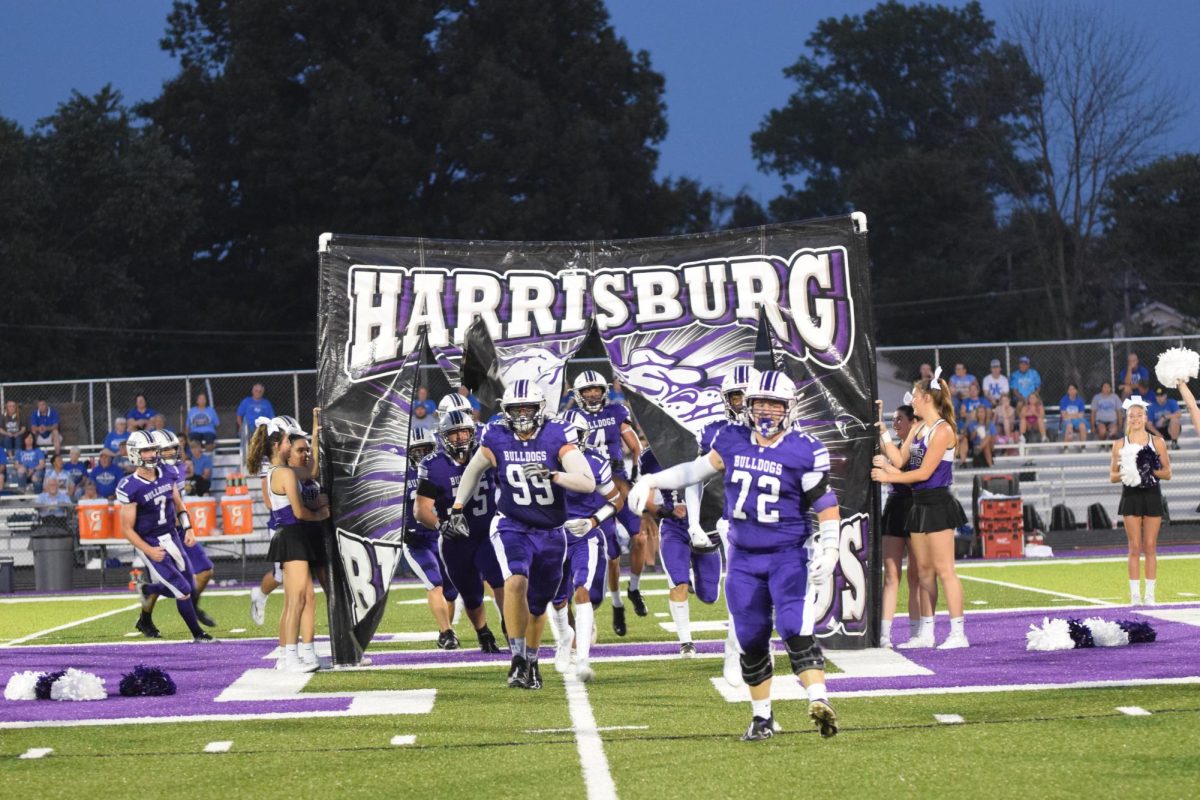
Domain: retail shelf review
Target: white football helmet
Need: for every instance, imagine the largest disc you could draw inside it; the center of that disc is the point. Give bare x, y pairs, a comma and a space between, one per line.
523, 394
168, 446
736, 383
770, 385
136, 443
454, 402
421, 444
577, 428
591, 379
450, 422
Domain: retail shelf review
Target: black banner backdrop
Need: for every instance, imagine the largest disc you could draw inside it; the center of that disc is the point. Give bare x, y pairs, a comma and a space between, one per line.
675, 316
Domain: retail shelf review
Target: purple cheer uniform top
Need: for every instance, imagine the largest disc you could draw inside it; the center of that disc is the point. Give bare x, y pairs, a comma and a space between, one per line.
765, 499
537, 503
438, 476
943, 473
605, 432
280, 505
155, 501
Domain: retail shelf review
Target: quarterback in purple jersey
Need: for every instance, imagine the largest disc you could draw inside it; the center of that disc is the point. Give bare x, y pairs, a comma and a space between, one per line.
591, 515
151, 514
421, 546
470, 561
773, 477
609, 426
535, 464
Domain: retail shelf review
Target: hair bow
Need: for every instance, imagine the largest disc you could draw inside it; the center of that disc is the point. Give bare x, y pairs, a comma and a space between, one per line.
937, 377
908, 398
272, 426
1134, 401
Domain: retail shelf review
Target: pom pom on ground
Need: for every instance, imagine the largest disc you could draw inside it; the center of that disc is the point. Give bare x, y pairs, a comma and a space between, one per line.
1177, 364
1139, 632
1081, 635
147, 681
75, 684
22, 686
45, 681
1128, 465
1106, 633
1055, 634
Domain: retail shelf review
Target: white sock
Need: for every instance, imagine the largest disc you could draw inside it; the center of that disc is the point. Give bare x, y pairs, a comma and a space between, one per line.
926, 627
816, 691
885, 629
615, 594
556, 622
914, 626
634, 581
761, 708
1135, 588
957, 626
308, 651
1150, 582
584, 620
289, 653
563, 615
682, 619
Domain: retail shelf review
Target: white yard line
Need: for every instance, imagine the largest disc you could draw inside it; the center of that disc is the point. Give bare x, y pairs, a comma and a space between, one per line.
949, 719
84, 621
36, 752
1024, 588
596, 776
218, 747
1133, 711
403, 739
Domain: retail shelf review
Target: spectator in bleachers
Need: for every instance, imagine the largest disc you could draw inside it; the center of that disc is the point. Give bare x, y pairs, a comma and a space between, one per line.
981, 435
960, 383
1106, 414
253, 407
1165, 417
118, 434
57, 469
1025, 381
422, 398
87, 490
616, 394
1072, 415
995, 385
1033, 419
14, 429
43, 422
31, 464
159, 423
1133, 374
106, 474
925, 372
121, 459
199, 469
1004, 417
138, 418
53, 503
1143, 391
77, 468
422, 420
202, 422
3, 469
974, 400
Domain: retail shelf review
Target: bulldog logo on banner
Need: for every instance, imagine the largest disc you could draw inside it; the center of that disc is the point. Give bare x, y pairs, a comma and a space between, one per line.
675, 316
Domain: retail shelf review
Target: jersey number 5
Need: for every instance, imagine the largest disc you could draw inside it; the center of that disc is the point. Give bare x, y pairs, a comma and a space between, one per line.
768, 495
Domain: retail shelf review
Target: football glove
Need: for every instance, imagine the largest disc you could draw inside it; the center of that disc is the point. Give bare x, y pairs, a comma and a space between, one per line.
640, 493
722, 527
455, 526
821, 565
536, 472
700, 540
579, 527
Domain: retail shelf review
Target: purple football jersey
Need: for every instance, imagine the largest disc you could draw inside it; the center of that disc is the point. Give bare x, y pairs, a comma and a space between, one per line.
708, 434
438, 477
671, 498
155, 501
764, 493
581, 505
539, 503
177, 473
605, 427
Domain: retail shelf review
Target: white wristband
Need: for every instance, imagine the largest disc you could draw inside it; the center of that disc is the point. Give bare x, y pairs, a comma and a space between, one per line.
829, 532
886, 436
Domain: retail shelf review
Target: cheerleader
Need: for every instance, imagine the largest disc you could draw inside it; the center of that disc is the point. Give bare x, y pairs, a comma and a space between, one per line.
1189, 400
895, 527
1140, 462
935, 513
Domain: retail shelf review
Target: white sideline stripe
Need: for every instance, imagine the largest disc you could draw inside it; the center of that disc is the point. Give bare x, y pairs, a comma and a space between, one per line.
272, 684
218, 747
1067, 561
132, 634
702, 625
1024, 588
84, 621
661, 614
791, 690
1188, 616
1133, 711
237, 630
403, 740
91, 723
1187, 594
36, 752
949, 719
596, 777
600, 730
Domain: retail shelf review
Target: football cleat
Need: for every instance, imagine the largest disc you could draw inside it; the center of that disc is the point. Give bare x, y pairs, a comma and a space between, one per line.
487, 641
258, 606
759, 729
824, 717
147, 628
203, 638
687, 650
619, 620
639, 605
204, 618
584, 672
562, 653
447, 640
533, 675
516, 673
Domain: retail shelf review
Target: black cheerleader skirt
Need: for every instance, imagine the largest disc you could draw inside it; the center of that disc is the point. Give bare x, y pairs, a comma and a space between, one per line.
895, 515
1139, 502
291, 543
935, 510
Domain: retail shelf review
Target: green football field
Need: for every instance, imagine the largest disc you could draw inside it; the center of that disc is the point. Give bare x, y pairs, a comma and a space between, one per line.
656, 726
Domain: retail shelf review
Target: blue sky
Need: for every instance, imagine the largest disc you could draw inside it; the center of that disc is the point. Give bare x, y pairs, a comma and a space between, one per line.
723, 61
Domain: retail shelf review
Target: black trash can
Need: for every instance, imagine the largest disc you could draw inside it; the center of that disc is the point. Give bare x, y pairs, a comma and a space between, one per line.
7, 578
53, 549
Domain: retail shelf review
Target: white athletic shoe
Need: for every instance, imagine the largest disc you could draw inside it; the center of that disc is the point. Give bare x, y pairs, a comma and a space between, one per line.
322, 662
886, 643
1135, 601
562, 653
296, 665
954, 641
916, 643
1149, 600
258, 606
732, 671
584, 673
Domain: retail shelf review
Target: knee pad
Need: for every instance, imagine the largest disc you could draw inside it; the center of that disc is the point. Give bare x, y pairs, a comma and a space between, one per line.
804, 653
756, 667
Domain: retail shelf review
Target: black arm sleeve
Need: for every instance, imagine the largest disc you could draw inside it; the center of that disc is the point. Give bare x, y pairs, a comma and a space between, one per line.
817, 492
428, 488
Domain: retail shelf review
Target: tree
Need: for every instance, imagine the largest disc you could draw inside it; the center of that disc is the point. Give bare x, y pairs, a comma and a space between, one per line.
897, 113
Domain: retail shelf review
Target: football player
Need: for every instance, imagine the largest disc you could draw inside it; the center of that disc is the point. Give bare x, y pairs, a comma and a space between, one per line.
535, 464
773, 477
469, 561
421, 546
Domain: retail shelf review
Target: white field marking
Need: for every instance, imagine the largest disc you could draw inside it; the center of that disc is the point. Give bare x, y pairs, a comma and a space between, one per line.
704, 625
979, 602
1187, 594
791, 690
949, 719
661, 614
1068, 561
132, 634
500, 664
403, 740
596, 777
1188, 616
1024, 588
599, 730
37, 752
1133, 711
420, 601
218, 747
237, 630
274, 685
872, 662
84, 621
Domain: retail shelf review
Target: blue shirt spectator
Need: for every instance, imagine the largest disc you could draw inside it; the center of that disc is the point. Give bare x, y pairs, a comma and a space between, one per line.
615, 393
1026, 380
960, 382
202, 464
77, 468
138, 418
253, 407
43, 422
1071, 410
1161, 410
47, 417
1133, 374
3, 468
118, 434
202, 421
106, 475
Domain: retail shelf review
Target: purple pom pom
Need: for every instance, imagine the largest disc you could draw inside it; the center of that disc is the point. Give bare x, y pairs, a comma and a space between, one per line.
42, 690
1081, 634
147, 681
1139, 632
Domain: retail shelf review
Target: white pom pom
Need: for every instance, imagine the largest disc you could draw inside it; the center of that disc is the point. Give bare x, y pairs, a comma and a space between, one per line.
78, 685
1054, 634
1177, 364
1128, 465
21, 686
1107, 634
